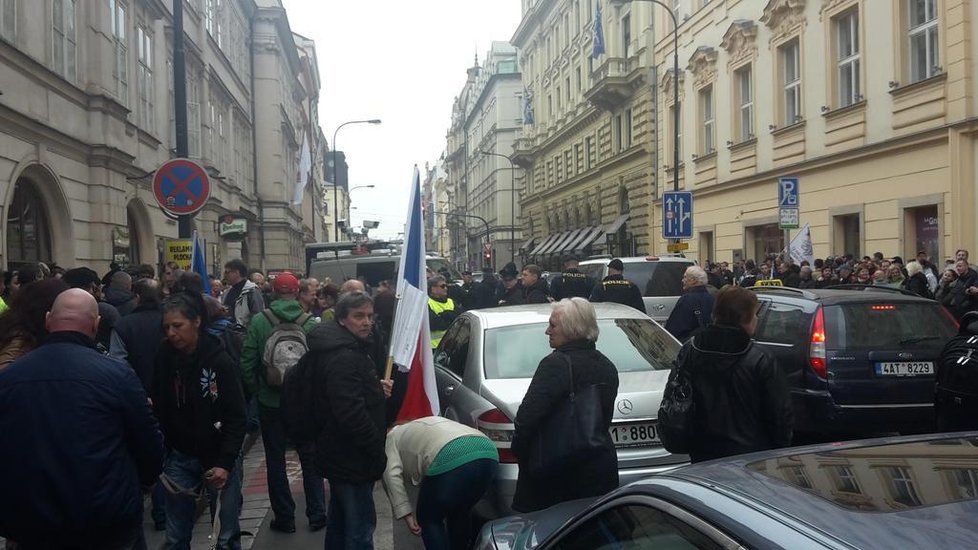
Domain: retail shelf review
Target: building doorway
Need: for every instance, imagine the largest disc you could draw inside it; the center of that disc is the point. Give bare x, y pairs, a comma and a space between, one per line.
847, 235
764, 240
921, 226
28, 227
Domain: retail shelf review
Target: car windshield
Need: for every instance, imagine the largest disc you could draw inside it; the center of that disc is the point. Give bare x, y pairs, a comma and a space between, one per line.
633, 345
875, 325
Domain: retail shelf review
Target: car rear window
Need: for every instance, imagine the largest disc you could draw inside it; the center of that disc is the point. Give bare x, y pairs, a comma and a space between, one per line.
633, 345
875, 325
666, 279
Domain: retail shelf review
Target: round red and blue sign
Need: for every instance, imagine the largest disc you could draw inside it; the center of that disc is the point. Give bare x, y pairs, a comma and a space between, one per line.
181, 186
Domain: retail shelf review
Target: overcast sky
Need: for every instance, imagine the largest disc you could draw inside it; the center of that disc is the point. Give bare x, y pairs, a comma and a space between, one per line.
401, 62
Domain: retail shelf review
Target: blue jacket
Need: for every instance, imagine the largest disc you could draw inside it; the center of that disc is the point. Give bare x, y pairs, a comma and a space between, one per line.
79, 440
693, 311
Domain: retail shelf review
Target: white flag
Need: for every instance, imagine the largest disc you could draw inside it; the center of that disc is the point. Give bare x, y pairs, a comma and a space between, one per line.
801, 248
305, 166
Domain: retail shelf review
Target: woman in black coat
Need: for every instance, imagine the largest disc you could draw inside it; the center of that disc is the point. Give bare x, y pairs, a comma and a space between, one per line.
917, 281
573, 331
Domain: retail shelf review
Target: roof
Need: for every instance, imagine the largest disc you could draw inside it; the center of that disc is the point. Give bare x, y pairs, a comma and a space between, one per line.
540, 313
836, 296
640, 259
900, 492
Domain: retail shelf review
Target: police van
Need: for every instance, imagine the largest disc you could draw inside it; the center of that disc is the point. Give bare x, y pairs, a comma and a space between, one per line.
375, 266
660, 278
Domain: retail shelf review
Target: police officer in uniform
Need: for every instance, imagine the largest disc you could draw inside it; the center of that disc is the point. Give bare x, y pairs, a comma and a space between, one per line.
441, 309
616, 288
571, 282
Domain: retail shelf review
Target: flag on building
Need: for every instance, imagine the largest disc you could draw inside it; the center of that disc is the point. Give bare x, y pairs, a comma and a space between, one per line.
801, 249
305, 167
597, 38
411, 343
198, 262
527, 106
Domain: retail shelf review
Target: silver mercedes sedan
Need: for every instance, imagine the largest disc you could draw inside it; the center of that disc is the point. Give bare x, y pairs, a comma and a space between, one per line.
487, 358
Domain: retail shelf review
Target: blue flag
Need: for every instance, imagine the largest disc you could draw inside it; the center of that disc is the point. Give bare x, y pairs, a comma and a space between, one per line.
597, 38
199, 263
527, 106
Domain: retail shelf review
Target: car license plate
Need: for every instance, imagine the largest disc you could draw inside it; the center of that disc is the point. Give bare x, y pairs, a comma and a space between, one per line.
910, 368
640, 434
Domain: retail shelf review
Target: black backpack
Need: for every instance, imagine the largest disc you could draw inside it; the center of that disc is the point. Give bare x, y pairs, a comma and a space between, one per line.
298, 401
233, 339
677, 411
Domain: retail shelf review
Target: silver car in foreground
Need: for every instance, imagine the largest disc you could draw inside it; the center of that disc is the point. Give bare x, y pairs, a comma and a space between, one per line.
487, 358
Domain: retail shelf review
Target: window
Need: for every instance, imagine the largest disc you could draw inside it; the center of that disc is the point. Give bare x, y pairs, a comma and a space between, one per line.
550, 107
963, 482
578, 79
193, 116
626, 36
144, 78
120, 68
588, 152
559, 101
677, 134
924, 58
567, 90
798, 475
791, 71
845, 480
627, 133
847, 57
28, 230
745, 100
8, 20
706, 108
63, 36
901, 485
634, 526
619, 140
577, 157
781, 323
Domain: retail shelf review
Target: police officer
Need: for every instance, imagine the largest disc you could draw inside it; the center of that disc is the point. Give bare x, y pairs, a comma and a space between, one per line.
441, 309
571, 282
616, 288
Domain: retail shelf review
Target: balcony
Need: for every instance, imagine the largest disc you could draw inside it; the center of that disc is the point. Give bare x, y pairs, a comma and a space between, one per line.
523, 152
615, 81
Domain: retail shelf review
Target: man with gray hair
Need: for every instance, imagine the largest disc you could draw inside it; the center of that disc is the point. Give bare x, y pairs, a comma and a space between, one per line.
694, 309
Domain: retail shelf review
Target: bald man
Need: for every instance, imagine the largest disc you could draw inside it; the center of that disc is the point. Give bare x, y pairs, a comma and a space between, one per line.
79, 439
352, 285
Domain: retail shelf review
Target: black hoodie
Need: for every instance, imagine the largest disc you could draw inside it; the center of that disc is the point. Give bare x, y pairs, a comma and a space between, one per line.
741, 395
349, 406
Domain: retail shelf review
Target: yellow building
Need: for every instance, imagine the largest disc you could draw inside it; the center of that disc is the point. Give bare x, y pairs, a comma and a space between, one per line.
870, 103
587, 150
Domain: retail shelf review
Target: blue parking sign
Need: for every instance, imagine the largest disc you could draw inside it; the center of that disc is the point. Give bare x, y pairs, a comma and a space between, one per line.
677, 215
788, 193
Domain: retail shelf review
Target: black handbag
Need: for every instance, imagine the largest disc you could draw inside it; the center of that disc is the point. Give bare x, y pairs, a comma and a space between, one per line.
677, 411
574, 432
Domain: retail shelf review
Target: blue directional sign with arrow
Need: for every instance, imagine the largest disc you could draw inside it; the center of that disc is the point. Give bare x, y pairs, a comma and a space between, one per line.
677, 215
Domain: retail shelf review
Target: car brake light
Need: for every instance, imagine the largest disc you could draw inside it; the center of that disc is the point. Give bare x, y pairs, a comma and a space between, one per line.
883, 308
651, 258
499, 429
817, 354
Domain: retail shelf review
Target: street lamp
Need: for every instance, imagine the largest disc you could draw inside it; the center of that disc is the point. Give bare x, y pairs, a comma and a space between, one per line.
675, 87
336, 184
512, 203
349, 195
472, 216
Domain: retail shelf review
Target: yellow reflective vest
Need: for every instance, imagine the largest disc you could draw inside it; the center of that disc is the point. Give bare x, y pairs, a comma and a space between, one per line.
438, 308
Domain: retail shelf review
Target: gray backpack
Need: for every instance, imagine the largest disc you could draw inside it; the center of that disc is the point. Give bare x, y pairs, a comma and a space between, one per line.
284, 347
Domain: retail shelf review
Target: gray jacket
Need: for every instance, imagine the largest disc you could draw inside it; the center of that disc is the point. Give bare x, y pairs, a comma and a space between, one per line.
249, 303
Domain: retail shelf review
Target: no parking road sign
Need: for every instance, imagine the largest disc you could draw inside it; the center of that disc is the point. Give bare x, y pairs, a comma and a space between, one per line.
181, 186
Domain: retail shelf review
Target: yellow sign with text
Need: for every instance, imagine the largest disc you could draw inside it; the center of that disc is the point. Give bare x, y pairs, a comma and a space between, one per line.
180, 252
768, 282
677, 247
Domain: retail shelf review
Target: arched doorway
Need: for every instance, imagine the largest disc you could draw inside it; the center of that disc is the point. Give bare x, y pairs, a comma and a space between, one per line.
28, 227
141, 240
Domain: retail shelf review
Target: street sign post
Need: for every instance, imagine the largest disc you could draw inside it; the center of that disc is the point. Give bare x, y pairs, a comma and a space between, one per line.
181, 186
677, 215
789, 215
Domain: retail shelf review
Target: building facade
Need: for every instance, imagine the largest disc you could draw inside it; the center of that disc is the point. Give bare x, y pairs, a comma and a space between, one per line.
588, 139
484, 185
87, 115
870, 104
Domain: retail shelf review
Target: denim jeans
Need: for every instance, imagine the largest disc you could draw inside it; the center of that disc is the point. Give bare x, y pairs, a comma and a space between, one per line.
186, 471
448, 498
274, 441
352, 519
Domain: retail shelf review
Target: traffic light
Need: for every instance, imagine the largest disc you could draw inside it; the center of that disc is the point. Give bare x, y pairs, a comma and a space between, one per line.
487, 257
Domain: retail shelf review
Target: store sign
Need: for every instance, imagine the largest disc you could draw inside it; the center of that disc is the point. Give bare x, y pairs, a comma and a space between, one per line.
231, 226
180, 252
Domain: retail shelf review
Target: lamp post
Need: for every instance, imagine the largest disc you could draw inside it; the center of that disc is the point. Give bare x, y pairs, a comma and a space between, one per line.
512, 203
336, 184
675, 87
480, 218
349, 195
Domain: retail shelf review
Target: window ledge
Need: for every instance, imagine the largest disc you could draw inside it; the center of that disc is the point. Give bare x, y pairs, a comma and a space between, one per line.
712, 155
747, 143
906, 89
840, 111
788, 129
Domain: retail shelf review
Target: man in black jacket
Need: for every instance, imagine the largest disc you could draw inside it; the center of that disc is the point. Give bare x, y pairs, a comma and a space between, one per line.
510, 292
483, 293
349, 414
695, 306
78, 439
571, 282
741, 395
535, 289
616, 288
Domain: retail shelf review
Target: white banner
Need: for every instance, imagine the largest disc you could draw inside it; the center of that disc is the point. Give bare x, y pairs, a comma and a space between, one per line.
801, 248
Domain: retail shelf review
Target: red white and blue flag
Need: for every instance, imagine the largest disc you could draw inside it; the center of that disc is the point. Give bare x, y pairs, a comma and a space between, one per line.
411, 341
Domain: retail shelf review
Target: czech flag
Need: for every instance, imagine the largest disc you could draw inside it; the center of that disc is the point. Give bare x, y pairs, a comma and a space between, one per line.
411, 341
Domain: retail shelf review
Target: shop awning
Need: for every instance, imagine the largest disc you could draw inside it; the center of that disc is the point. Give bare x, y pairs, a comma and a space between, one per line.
544, 244
556, 242
527, 244
616, 225
568, 239
585, 239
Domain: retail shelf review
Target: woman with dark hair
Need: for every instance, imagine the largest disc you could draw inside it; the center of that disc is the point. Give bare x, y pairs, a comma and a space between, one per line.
741, 395
198, 400
22, 325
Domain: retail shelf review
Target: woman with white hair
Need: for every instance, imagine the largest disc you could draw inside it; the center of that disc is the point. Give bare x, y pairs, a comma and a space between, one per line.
575, 365
917, 281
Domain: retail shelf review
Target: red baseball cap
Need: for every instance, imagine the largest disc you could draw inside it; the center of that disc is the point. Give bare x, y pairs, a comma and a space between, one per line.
285, 283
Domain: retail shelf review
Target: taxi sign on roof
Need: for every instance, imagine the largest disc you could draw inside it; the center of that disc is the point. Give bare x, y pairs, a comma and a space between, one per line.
768, 282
